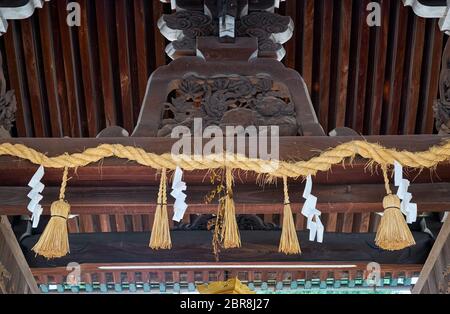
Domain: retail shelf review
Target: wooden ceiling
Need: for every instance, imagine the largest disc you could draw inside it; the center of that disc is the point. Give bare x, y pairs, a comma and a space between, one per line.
76, 81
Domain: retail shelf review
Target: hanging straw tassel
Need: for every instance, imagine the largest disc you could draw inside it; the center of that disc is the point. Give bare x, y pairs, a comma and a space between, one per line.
289, 241
160, 237
54, 241
230, 232
393, 232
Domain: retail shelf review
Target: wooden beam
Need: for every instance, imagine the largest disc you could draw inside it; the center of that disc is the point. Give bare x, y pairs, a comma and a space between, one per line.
294, 267
435, 275
15, 275
249, 199
112, 171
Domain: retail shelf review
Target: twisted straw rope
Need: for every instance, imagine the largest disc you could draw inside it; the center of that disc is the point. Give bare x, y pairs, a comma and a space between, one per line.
373, 152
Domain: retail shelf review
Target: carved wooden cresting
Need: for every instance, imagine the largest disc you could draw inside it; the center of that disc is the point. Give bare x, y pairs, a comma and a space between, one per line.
227, 20
226, 71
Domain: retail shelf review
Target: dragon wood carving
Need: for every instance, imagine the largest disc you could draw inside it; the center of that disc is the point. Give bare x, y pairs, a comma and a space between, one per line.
229, 101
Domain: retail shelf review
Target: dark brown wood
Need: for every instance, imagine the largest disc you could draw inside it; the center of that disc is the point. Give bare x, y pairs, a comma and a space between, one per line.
339, 98
358, 75
376, 92
411, 99
308, 44
291, 10
33, 80
17, 80
88, 72
326, 24
166, 79
69, 79
395, 72
69, 71
123, 33
106, 70
249, 199
160, 43
141, 46
434, 56
48, 58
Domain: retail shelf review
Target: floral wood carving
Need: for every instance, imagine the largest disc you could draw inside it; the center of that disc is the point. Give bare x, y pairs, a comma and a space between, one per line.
229, 100
442, 105
7, 102
183, 27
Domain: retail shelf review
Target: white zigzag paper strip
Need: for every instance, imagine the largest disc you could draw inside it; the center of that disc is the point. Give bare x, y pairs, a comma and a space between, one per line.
35, 195
408, 209
309, 210
178, 186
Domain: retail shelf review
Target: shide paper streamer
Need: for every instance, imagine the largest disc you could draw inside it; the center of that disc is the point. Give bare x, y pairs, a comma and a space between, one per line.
408, 209
178, 186
309, 210
35, 195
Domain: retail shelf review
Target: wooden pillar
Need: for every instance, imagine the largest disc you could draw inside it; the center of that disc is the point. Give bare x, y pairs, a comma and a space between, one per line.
435, 275
15, 275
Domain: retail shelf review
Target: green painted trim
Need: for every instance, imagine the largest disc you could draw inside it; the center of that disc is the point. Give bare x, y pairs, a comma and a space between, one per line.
103, 287
264, 286
60, 288
308, 285
279, 286
44, 288
75, 289
89, 288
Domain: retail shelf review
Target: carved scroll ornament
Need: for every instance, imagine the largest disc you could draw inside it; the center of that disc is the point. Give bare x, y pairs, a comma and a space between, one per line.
183, 27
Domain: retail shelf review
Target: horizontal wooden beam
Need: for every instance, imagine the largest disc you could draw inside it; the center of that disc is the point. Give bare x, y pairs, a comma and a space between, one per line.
249, 199
241, 266
116, 172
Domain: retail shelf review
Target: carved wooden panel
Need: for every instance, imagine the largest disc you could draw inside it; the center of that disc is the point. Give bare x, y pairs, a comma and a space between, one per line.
242, 91
229, 100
